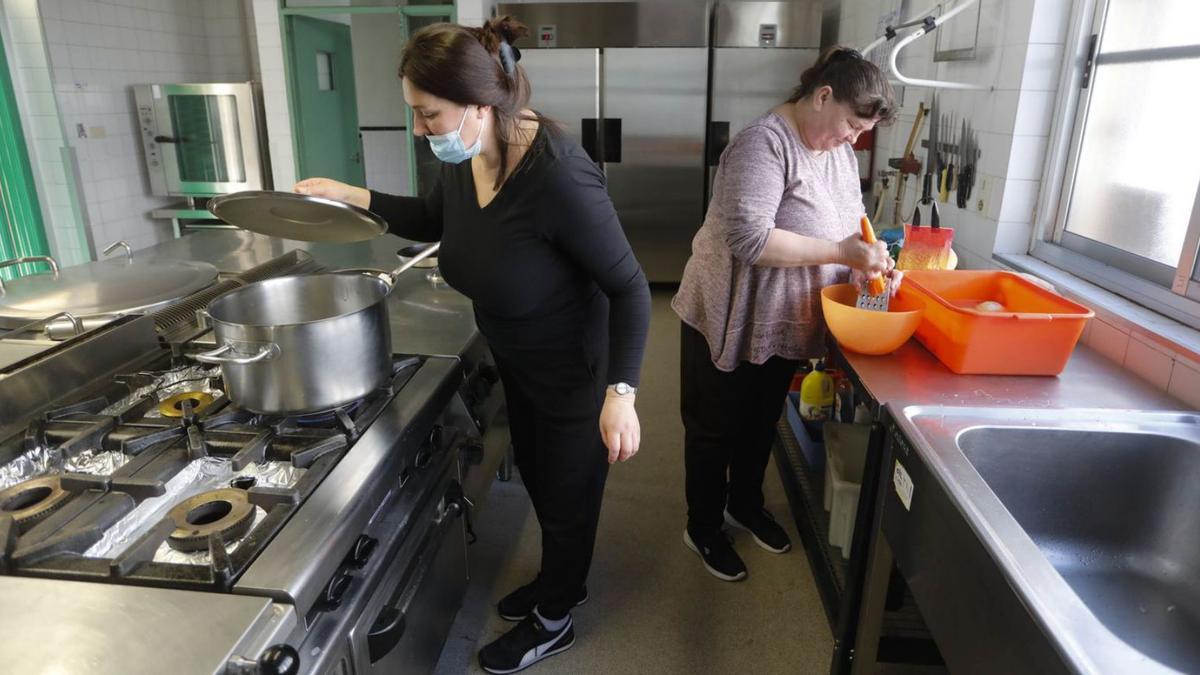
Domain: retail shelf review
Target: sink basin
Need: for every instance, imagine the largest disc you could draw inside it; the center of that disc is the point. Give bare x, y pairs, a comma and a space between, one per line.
1117, 513
1091, 516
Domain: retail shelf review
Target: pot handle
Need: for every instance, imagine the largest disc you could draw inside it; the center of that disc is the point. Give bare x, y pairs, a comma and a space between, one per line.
408, 264
217, 355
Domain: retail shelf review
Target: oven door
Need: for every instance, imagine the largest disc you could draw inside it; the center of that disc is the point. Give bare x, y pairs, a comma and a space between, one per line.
207, 138
406, 632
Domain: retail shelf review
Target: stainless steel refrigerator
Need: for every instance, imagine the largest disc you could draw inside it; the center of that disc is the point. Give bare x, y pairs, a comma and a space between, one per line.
639, 86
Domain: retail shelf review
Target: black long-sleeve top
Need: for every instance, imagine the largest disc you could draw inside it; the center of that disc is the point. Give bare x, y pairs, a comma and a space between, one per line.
538, 258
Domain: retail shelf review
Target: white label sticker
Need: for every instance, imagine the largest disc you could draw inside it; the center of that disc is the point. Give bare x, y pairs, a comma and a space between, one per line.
156, 91
904, 486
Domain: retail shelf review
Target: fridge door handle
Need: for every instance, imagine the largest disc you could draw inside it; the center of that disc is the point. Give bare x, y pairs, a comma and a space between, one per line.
718, 138
612, 140
588, 137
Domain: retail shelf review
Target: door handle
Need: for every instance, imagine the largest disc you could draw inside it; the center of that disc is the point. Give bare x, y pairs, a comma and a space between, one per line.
588, 137
718, 138
612, 140
169, 139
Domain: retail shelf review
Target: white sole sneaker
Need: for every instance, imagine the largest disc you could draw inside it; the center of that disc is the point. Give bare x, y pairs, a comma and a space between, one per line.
539, 657
687, 540
732, 522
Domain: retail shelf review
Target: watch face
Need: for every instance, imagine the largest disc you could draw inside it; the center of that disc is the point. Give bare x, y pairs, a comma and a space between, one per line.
623, 388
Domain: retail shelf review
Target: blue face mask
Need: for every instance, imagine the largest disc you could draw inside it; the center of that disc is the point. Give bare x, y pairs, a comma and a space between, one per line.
449, 147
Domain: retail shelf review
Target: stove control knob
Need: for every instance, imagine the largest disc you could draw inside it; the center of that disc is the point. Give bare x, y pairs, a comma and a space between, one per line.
279, 659
336, 590
363, 548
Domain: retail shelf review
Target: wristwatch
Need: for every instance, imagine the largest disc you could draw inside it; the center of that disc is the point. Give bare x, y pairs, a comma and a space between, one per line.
622, 389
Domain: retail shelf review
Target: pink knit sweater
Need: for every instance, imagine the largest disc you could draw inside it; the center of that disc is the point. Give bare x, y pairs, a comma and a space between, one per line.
767, 179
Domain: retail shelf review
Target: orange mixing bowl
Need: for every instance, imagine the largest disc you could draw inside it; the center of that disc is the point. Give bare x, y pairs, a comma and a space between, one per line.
865, 331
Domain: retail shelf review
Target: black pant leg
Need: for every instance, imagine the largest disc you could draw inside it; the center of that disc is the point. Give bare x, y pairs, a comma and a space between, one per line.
710, 407
522, 428
748, 465
565, 465
572, 469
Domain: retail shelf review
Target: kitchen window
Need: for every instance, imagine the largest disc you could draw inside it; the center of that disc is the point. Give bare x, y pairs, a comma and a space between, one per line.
1128, 216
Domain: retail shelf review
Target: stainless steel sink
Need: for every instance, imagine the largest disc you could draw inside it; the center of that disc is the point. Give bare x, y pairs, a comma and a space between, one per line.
1117, 513
1094, 518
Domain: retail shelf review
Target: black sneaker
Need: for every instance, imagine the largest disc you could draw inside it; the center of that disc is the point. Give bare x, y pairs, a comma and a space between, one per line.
718, 556
518, 604
766, 532
526, 644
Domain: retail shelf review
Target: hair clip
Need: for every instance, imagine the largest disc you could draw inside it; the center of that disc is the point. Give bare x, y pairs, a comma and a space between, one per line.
509, 55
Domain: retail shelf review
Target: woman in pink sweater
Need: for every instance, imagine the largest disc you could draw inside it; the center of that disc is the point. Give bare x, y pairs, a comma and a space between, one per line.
782, 225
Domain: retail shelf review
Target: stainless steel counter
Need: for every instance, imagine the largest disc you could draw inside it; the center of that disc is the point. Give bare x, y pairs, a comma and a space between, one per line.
437, 321
913, 376
76, 627
957, 561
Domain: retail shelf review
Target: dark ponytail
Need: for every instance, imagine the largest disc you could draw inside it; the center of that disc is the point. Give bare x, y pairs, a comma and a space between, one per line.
854, 80
474, 66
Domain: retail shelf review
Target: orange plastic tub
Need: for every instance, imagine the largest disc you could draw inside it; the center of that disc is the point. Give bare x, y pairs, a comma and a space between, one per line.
1033, 334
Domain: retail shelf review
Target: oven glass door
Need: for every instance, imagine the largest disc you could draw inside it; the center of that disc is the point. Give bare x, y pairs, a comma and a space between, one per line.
207, 136
207, 143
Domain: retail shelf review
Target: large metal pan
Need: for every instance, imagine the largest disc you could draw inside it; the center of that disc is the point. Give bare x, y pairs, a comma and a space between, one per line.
303, 344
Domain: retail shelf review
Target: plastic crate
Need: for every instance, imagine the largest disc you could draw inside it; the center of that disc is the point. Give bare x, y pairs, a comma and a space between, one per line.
808, 435
846, 453
1034, 336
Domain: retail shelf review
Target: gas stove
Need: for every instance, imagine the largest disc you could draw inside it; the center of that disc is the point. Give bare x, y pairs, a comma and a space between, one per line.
161, 480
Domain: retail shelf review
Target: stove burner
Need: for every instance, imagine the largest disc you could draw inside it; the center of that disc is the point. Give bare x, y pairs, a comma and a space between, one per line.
226, 511
33, 500
173, 406
327, 417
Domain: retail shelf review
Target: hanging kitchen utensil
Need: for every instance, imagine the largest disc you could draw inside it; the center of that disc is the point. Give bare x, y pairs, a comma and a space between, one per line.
97, 292
288, 215
907, 164
875, 294
947, 166
306, 343
930, 171
966, 177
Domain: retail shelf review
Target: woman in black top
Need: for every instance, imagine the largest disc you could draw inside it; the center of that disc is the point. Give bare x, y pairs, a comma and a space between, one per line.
529, 234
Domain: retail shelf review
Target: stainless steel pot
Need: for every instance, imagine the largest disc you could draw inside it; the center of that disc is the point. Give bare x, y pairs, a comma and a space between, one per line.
304, 344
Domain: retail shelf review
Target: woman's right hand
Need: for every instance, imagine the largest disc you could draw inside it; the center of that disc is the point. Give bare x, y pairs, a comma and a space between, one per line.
328, 188
871, 259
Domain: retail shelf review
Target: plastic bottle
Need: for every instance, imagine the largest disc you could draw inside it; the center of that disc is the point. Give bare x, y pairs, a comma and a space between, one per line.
817, 394
801, 372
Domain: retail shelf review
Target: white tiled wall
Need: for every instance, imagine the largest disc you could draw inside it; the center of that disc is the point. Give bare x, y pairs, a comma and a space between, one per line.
98, 49
270, 56
1018, 53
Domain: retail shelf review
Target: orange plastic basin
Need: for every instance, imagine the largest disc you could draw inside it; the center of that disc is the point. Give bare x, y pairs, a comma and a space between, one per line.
863, 330
1033, 335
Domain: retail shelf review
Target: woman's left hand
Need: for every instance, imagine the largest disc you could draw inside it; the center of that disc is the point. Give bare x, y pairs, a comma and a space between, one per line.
619, 427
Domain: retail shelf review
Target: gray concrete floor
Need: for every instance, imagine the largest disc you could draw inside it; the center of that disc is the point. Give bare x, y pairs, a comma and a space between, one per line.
653, 607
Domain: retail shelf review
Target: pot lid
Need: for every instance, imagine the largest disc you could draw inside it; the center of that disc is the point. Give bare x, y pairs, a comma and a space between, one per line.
112, 286
300, 217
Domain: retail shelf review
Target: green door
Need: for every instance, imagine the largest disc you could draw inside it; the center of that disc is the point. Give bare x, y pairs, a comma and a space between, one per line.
323, 86
21, 232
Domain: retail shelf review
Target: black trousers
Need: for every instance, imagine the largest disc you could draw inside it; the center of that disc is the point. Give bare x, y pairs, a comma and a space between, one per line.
729, 427
554, 398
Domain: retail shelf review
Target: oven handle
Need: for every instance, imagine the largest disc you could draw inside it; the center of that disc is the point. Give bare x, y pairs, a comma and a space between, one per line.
389, 625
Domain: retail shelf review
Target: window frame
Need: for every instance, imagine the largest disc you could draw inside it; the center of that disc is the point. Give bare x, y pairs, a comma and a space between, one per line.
1171, 291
